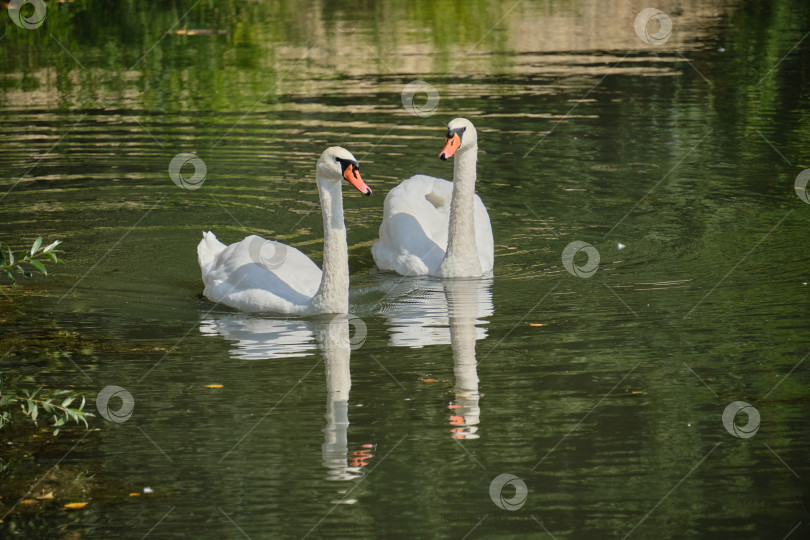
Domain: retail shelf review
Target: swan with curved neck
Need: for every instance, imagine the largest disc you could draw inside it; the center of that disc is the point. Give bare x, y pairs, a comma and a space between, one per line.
435, 227
258, 275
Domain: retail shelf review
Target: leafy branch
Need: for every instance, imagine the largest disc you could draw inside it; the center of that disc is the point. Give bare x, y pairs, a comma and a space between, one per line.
34, 257
31, 402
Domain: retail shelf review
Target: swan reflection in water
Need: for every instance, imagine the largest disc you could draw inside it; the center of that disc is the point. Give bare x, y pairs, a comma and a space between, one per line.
258, 338
433, 312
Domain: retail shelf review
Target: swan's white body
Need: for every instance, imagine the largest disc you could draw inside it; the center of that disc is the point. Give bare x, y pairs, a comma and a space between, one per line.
256, 275
414, 231
434, 227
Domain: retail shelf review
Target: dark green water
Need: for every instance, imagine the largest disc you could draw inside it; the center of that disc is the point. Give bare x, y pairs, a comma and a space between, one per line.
676, 162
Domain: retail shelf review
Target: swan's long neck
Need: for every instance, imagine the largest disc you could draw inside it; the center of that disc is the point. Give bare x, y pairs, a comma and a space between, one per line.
461, 258
333, 294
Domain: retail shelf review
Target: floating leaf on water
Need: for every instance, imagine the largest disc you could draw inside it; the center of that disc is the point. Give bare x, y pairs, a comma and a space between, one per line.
197, 32
75, 506
45, 496
135, 494
29, 501
537, 324
428, 380
214, 386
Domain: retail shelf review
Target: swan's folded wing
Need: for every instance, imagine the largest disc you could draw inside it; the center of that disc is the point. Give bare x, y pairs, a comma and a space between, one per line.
413, 235
256, 275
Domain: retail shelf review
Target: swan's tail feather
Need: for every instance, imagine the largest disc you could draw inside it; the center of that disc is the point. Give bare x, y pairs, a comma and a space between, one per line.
207, 251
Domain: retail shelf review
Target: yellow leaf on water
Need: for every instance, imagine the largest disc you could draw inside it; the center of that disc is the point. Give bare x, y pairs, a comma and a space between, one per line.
134, 494
428, 380
29, 501
537, 324
197, 32
75, 506
214, 386
44, 496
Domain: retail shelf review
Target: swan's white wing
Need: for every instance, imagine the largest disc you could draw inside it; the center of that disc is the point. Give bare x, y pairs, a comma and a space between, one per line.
247, 277
413, 234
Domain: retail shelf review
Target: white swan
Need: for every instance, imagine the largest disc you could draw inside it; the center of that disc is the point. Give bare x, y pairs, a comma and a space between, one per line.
434, 227
258, 275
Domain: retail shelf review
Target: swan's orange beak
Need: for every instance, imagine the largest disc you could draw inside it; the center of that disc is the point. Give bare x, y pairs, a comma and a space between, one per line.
352, 174
453, 144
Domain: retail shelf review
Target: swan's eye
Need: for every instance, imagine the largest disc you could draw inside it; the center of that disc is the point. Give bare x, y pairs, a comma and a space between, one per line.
458, 131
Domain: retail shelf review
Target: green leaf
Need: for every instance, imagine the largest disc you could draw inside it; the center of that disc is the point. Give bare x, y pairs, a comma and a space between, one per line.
52, 256
10, 256
67, 402
51, 246
37, 244
39, 266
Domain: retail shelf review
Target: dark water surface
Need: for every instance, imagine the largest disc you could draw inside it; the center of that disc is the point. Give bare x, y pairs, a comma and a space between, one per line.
603, 395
